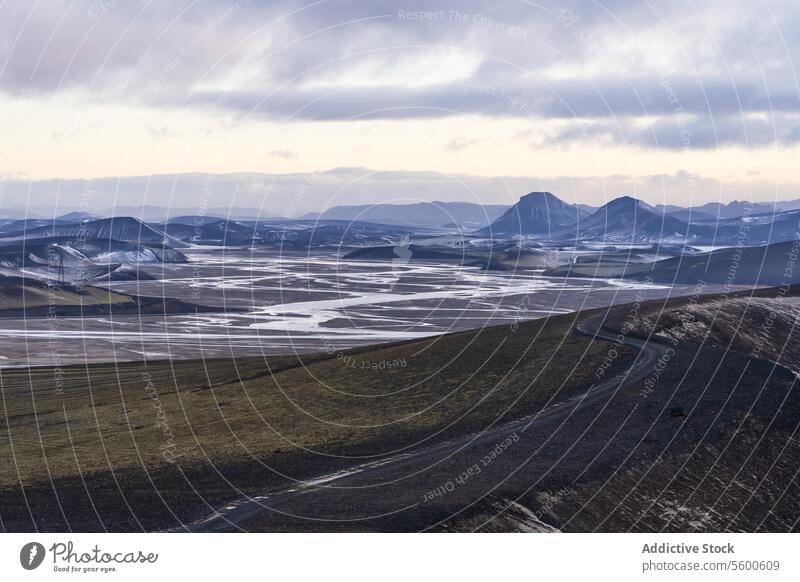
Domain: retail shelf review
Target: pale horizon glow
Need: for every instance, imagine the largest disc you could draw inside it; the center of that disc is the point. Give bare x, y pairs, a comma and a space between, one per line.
676, 106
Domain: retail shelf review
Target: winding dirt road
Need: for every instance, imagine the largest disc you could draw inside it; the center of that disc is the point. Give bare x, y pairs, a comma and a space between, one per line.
414, 464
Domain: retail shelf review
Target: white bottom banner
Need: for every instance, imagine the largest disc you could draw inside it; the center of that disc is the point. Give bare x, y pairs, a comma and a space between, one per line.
355, 557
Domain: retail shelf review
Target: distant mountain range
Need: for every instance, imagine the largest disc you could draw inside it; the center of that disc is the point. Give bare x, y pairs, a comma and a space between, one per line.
735, 209
756, 229
422, 214
623, 220
80, 246
426, 214
541, 215
537, 215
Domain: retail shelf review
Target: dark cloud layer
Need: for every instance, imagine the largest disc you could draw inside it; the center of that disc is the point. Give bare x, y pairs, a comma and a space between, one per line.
723, 70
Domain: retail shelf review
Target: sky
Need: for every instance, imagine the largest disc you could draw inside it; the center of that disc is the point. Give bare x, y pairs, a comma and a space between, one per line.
294, 106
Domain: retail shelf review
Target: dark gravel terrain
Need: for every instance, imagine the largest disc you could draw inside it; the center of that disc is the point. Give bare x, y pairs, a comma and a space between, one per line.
577, 422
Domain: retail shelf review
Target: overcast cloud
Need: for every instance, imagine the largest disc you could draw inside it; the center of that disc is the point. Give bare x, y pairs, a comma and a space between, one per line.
341, 59
654, 76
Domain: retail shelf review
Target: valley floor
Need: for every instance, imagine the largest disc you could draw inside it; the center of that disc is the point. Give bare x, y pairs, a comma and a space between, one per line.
232, 303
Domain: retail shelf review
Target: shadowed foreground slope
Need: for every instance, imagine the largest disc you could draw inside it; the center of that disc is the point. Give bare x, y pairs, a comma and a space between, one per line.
697, 437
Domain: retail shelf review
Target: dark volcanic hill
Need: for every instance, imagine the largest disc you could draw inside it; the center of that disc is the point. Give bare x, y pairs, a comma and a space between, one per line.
123, 228
220, 232
765, 265
537, 213
9, 227
758, 265
750, 229
627, 219
17, 254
